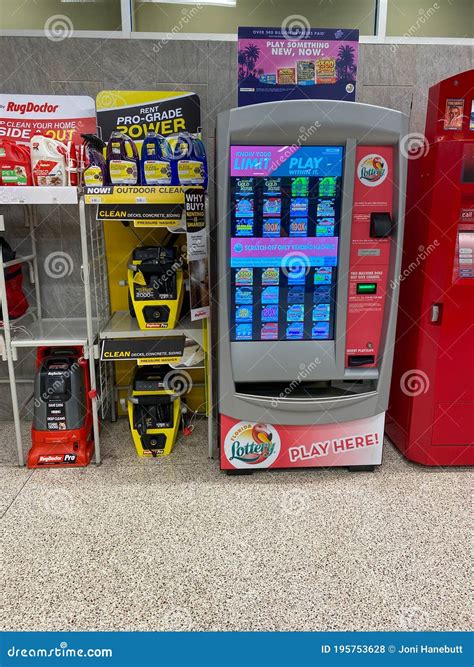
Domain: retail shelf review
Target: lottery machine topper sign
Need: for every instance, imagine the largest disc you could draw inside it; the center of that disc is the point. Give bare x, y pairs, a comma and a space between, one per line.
296, 63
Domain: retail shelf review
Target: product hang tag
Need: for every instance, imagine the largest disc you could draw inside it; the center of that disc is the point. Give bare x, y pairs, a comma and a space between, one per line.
195, 215
196, 239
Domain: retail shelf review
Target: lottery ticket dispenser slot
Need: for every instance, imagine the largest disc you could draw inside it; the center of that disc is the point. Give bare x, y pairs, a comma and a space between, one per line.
356, 360
381, 225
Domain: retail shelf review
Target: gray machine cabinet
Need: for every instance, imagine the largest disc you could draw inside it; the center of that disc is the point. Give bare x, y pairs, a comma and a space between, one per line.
252, 363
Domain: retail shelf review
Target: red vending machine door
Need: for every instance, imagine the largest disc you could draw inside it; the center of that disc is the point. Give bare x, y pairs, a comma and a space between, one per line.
431, 410
453, 419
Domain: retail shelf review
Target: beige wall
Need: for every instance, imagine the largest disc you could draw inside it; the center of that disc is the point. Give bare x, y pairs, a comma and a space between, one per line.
162, 17
433, 18
33, 14
438, 18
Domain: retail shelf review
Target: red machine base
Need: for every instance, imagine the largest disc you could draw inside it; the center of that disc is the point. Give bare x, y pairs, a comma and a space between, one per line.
251, 446
434, 455
51, 450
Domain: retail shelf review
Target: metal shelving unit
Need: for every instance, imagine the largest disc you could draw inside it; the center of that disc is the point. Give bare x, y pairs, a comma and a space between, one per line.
19, 194
98, 324
122, 326
119, 325
43, 331
64, 331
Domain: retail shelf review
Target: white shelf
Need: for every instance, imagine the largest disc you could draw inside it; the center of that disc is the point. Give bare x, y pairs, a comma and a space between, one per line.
18, 194
18, 260
67, 331
31, 312
121, 325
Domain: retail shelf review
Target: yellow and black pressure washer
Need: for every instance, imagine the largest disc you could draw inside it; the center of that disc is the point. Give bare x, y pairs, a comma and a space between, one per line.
154, 411
156, 287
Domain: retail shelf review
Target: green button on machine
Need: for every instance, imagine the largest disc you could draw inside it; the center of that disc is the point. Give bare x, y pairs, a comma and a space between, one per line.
366, 288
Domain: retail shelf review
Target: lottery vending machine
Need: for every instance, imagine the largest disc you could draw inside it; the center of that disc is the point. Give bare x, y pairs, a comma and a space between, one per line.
431, 411
310, 206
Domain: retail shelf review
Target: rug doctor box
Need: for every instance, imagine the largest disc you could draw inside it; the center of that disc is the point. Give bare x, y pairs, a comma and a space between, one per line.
310, 206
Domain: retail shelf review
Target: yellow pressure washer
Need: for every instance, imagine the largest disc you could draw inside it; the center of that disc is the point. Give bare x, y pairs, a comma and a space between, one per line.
154, 411
156, 287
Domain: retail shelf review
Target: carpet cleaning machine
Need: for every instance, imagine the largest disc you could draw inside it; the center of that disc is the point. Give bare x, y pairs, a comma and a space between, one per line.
61, 434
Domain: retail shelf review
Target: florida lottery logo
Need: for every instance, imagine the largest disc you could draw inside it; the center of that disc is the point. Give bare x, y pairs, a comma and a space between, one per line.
249, 445
372, 170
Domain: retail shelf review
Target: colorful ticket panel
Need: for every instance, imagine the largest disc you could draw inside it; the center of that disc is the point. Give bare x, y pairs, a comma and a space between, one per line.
285, 215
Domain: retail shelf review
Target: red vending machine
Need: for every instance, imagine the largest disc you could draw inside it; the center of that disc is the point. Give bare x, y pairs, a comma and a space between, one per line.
431, 411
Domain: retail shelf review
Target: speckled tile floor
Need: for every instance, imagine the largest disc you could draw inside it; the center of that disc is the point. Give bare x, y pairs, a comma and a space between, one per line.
176, 544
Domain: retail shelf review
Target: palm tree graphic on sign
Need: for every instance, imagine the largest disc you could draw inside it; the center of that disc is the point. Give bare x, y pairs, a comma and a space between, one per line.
248, 59
345, 64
